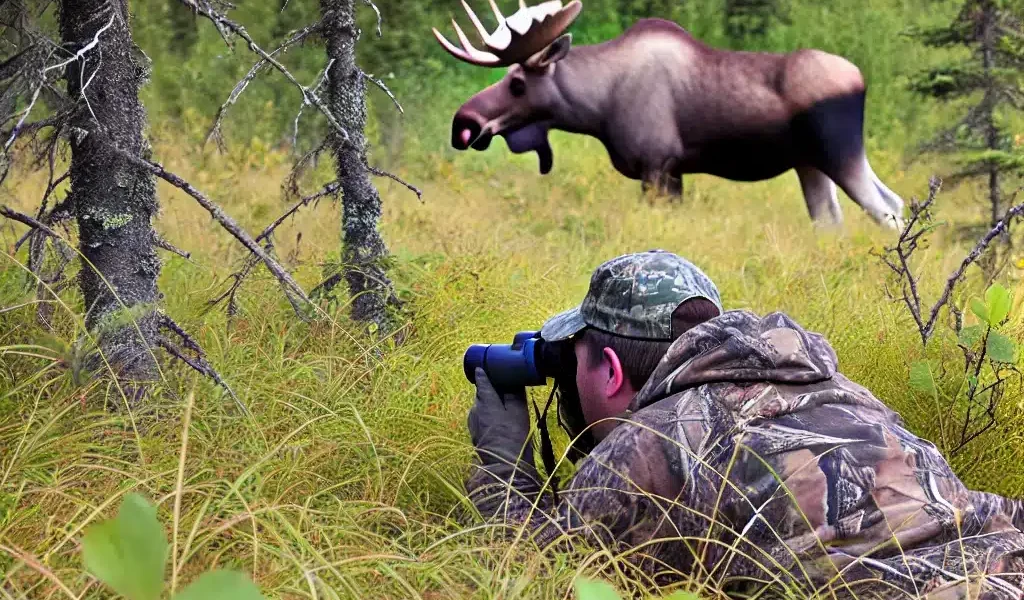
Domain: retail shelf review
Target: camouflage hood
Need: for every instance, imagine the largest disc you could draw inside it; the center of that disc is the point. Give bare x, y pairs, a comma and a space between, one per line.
740, 346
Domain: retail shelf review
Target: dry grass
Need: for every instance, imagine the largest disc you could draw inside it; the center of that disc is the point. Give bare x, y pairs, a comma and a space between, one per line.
347, 481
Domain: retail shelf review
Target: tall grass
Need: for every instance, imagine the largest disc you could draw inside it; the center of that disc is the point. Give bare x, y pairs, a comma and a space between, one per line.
347, 480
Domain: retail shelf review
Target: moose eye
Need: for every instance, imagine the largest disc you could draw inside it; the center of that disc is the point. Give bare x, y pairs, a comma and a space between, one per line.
517, 87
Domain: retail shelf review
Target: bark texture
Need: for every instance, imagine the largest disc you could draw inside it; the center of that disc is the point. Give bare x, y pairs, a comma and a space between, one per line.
364, 249
114, 201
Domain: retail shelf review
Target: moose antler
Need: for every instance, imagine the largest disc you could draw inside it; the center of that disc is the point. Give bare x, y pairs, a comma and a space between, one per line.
517, 38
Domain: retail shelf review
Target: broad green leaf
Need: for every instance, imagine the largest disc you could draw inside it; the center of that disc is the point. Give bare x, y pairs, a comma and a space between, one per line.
921, 377
221, 585
998, 300
1000, 348
972, 382
592, 589
682, 595
128, 553
978, 307
970, 336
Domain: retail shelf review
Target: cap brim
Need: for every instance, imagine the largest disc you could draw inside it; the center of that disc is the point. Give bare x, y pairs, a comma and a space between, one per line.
563, 325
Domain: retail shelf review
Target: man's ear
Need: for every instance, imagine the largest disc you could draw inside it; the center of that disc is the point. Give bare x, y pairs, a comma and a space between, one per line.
554, 52
615, 375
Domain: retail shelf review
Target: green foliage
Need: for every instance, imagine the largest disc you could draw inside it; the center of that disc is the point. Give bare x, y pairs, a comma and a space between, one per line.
991, 31
129, 554
968, 396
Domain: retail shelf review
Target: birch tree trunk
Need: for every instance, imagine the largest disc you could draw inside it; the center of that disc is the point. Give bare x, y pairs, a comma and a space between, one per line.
114, 202
364, 249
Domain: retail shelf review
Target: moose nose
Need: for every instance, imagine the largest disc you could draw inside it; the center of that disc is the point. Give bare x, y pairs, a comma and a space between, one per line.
465, 129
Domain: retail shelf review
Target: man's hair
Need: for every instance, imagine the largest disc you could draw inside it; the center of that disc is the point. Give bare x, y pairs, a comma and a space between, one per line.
640, 357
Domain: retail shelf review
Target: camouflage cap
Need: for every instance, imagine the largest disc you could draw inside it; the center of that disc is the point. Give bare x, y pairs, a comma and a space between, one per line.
634, 295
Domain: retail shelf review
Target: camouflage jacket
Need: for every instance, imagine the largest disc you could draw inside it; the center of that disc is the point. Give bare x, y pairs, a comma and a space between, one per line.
748, 460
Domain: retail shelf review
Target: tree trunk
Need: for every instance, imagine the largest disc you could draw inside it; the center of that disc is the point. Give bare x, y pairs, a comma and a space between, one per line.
364, 249
114, 202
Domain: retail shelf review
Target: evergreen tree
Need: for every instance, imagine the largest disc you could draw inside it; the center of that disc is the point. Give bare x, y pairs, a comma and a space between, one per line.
992, 31
752, 18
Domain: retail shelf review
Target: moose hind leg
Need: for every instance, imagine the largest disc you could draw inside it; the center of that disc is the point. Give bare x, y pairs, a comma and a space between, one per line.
820, 196
832, 133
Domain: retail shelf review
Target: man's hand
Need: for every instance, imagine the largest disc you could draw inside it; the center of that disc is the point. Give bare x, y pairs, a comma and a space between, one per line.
499, 425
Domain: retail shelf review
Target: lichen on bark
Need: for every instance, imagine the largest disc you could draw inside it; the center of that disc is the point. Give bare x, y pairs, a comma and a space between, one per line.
364, 250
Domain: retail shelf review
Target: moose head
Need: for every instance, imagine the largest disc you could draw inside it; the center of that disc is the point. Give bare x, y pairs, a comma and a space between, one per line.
519, 107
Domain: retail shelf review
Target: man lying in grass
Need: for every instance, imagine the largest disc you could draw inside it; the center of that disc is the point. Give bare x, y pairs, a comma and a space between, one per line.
727, 447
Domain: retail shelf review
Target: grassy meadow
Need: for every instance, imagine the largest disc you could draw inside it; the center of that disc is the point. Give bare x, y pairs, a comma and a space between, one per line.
346, 480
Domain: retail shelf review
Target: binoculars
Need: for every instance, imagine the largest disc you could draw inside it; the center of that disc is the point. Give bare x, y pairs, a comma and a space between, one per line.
527, 361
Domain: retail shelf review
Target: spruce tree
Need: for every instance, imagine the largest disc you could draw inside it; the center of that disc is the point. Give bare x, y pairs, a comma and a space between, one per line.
989, 80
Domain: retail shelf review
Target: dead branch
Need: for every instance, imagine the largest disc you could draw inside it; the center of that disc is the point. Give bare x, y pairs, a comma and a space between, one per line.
197, 362
160, 242
320, 79
330, 189
249, 77
292, 181
383, 87
14, 215
377, 11
293, 292
382, 173
909, 242
220, 21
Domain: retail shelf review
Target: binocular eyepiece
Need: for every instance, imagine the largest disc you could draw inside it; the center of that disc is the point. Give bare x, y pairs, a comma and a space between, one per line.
527, 361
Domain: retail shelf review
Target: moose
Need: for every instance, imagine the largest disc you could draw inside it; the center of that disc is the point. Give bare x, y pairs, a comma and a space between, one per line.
665, 104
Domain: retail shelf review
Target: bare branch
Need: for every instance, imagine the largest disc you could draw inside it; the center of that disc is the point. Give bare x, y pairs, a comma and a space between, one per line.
296, 297
250, 76
229, 295
909, 242
85, 49
382, 173
204, 8
27, 220
331, 189
387, 91
160, 242
321, 78
376, 10
197, 363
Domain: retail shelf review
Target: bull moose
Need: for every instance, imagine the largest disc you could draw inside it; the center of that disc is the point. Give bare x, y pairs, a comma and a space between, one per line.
664, 104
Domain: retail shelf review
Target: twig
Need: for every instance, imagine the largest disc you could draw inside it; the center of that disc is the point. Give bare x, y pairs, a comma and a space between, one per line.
384, 87
292, 289
308, 95
376, 10
330, 189
382, 173
27, 220
320, 79
250, 76
85, 49
160, 242
908, 243
199, 363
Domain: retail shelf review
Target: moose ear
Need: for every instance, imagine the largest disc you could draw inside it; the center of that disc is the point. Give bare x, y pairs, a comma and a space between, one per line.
554, 52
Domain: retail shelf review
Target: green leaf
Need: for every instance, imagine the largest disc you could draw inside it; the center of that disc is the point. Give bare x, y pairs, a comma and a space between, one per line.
592, 589
998, 300
221, 585
1000, 348
970, 336
128, 553
978, 307
921, 377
